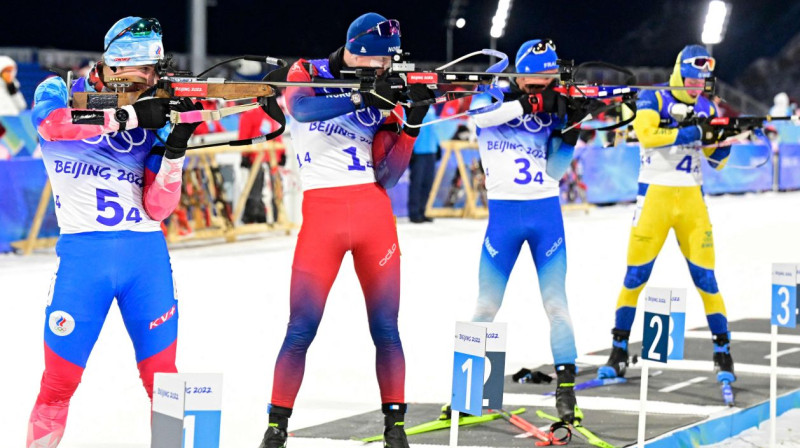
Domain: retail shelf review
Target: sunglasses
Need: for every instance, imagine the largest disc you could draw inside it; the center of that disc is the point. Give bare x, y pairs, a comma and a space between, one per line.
702, 62
139, 28
542, 46
384, 29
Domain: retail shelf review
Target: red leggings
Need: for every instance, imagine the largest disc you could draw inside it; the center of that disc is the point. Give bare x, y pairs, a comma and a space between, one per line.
355, 218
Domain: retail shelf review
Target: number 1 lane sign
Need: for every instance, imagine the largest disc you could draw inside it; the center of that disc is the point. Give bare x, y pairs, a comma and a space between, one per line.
468, 368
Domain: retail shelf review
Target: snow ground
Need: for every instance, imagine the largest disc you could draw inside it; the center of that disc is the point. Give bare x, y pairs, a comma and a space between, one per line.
234, 309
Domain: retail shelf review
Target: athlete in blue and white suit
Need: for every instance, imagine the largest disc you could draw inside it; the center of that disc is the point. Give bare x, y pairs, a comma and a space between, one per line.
112, 183
524, 154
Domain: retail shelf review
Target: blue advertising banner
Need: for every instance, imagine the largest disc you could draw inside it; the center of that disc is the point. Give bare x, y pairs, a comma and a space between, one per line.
749, 168
22, 181
17, 135
611, 173
789, 166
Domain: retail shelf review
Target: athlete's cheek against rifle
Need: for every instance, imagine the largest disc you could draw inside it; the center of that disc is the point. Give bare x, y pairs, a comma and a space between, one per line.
532, 84
145, 73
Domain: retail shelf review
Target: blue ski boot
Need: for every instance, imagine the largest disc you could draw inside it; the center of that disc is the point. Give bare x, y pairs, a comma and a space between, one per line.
618, 359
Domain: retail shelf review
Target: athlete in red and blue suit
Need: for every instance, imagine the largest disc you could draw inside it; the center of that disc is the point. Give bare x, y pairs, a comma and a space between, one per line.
344, 144
112, 183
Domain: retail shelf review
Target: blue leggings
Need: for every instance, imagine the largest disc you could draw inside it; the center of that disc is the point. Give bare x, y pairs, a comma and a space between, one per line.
539, 222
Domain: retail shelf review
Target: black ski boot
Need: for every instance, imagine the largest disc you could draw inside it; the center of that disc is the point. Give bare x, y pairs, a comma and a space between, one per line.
275, 436
723, 365
618, 359
723, 362
566, 404
394, 433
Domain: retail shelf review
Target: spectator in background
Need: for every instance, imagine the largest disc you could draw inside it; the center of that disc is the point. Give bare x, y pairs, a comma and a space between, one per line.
781, 107
11, 100
421, 170
718, 101
84, 68
253, 123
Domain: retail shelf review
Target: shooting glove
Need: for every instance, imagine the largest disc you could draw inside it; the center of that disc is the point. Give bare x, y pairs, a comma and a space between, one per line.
548, 101
384, 90
415, 115
179, 137
152, 113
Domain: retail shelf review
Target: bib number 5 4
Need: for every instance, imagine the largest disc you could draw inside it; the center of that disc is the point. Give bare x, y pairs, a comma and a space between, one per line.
117, 212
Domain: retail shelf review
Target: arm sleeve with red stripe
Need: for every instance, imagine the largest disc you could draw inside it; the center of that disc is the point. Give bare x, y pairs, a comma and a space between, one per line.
54, 120
305, 106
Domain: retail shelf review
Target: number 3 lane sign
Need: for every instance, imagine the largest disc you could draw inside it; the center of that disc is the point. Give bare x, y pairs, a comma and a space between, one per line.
468, 368
784, 295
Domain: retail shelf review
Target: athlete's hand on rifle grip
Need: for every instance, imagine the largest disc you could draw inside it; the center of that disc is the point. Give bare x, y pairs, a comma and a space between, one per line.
710, 134
415, 115
179, 137
385, 97
152, 113
548, 101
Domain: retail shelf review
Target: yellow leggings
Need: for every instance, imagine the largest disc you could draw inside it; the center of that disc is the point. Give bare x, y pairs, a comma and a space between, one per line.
660, 208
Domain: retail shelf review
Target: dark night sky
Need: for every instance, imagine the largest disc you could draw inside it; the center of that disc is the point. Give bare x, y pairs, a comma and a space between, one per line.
632, 32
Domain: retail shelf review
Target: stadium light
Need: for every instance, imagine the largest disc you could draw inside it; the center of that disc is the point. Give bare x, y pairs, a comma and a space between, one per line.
500, 18
716, 22
461, 22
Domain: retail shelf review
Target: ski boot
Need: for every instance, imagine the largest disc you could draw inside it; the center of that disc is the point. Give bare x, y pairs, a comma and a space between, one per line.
723, 365
618, 359
394, 434
566, 404
275, 436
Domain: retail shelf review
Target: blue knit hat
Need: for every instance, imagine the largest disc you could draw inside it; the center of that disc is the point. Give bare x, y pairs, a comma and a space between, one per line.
536, 55
695, 53
370, 44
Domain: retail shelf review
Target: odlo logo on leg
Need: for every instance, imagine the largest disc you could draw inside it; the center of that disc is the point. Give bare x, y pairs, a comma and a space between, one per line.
492, 251
61, 323
555, 247
388, 256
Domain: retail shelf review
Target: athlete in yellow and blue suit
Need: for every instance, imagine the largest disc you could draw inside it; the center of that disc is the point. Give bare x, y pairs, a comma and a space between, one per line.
671, 197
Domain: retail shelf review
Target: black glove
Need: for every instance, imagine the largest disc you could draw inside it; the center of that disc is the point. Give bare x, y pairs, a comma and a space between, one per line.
383, 87
152, 113
179, 137
12, 87
548, 101
415, 115
710, 134
577, 110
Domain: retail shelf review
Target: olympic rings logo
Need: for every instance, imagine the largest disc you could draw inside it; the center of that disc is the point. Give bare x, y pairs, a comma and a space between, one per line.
532, 122
113, 137
369, 116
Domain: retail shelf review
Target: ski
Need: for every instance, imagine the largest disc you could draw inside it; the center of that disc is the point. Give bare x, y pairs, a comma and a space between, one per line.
532, 430
440, 423
588, 435
600, 382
